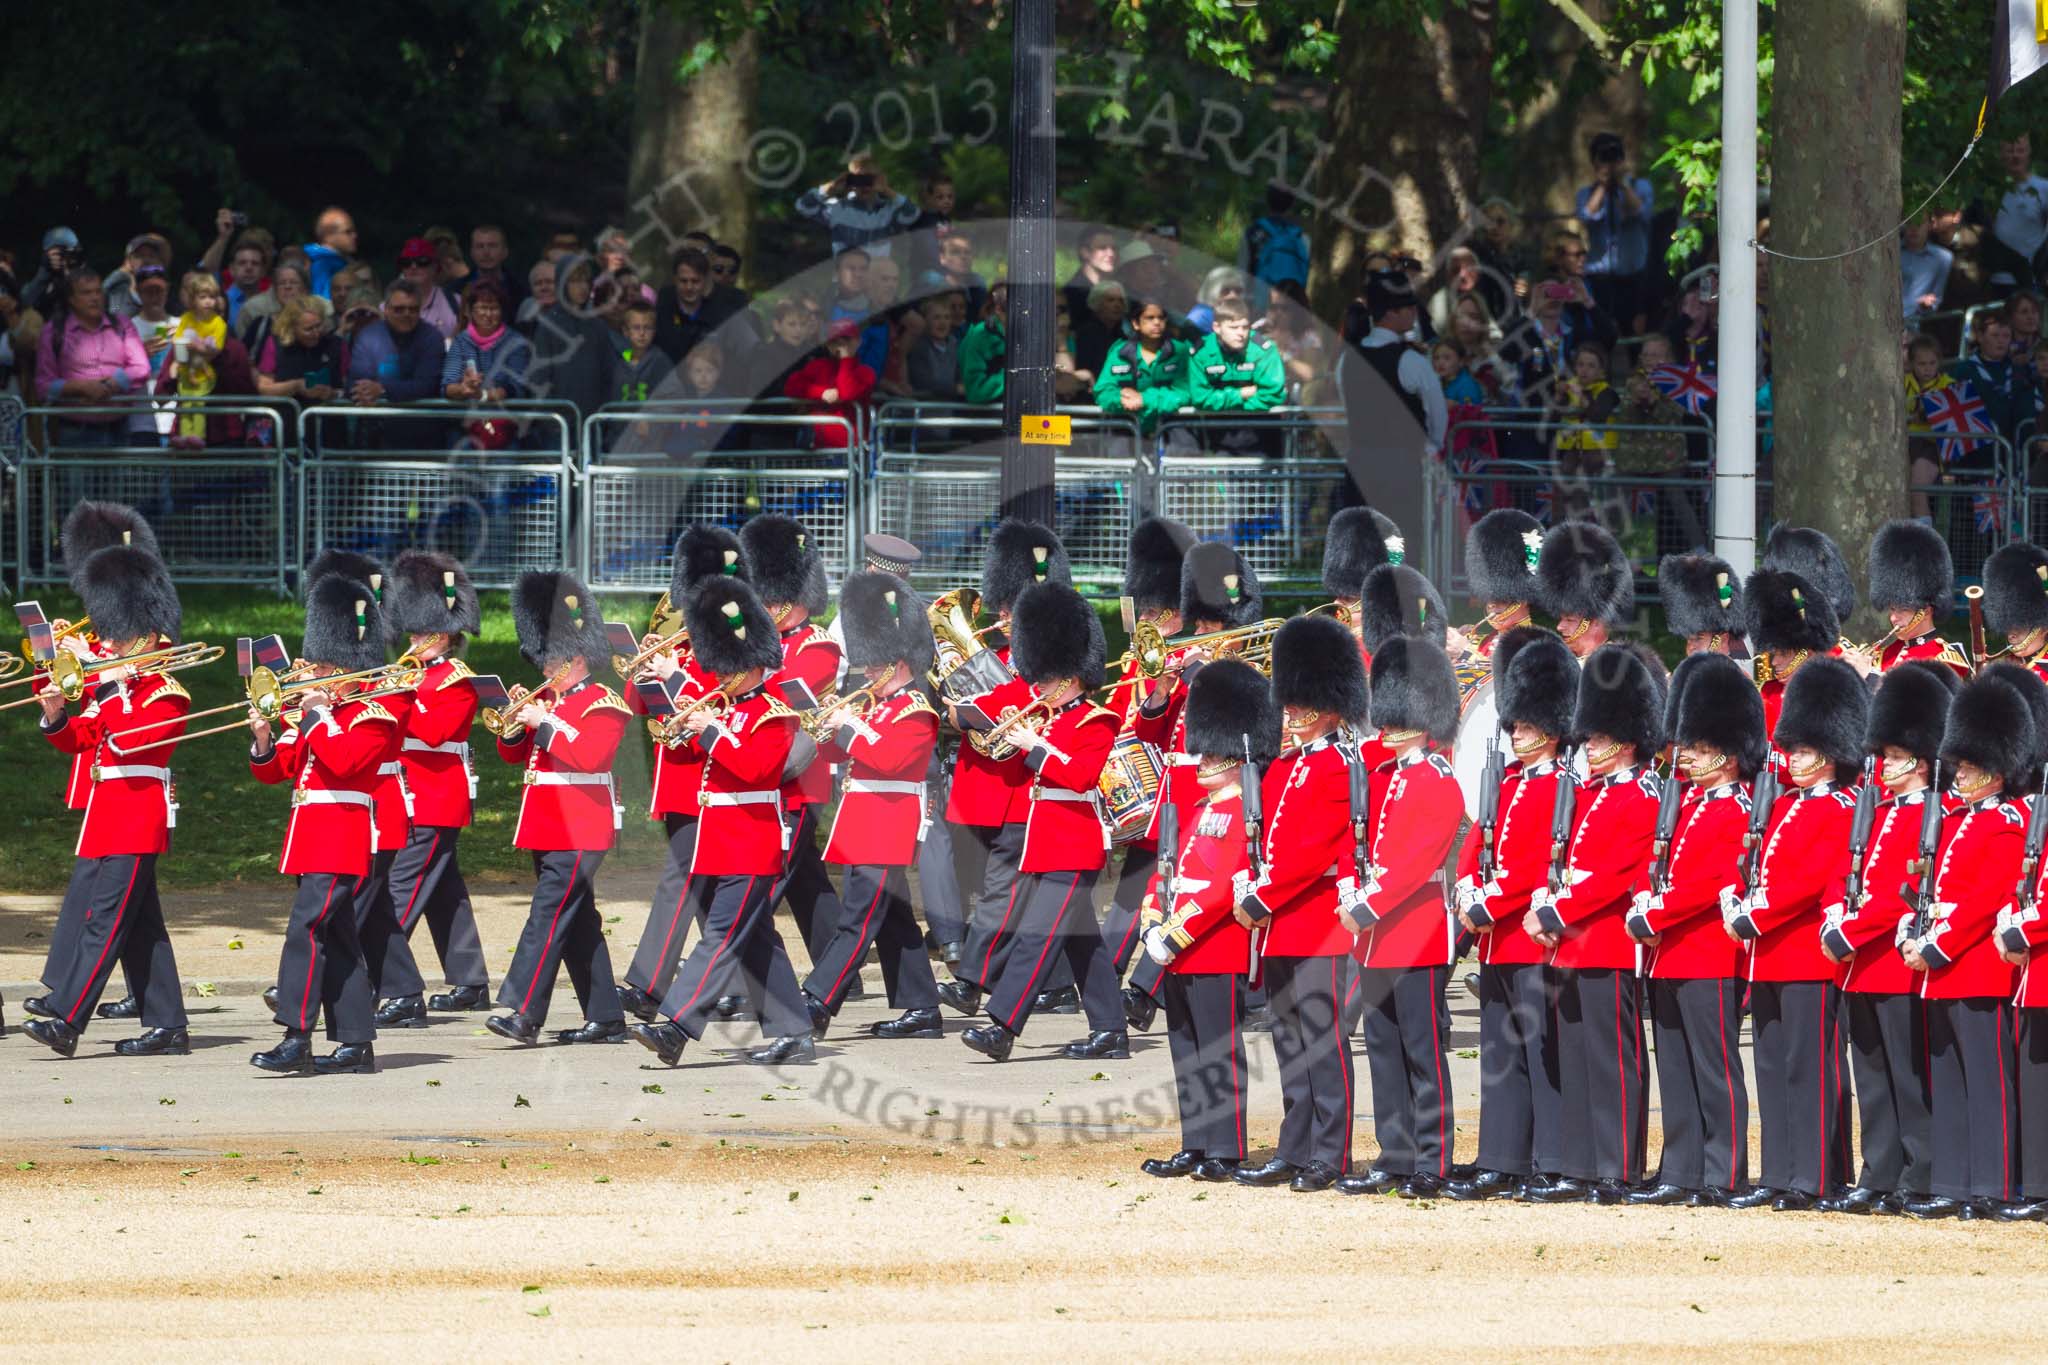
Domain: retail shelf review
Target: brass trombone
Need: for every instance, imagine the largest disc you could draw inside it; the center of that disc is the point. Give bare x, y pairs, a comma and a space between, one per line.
11, 664
69, 673
268, 691
498, 719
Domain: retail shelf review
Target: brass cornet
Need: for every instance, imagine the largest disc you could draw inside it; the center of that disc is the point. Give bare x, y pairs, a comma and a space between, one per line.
861, 700
626, 667
668, 731
498, 719
995, 742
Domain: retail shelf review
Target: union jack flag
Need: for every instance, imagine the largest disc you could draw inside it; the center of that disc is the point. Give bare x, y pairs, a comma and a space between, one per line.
1686, 385
1957, 410
1465, 472
1644, 505
1543, 502
1988, 511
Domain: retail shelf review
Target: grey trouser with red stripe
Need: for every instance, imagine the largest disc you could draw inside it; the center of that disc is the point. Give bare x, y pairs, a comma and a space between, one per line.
1700, 1088
677, 899
1601, 1074
426, 883
563, 929
877, 914
1209, 1076
321, 968
116, 917
1802, 1084
1054, 916
1407, 1024
739, 952
1316, 1079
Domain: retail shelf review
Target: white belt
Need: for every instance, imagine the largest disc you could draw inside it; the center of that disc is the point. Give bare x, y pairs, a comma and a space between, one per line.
872, 786
303, 796
130, 770
767, 798
390, 769
420, 746
540, 779
1063, 794
397, 770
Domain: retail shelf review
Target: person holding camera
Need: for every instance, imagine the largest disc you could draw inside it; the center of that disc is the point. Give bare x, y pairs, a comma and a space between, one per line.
1615, 210
858, 208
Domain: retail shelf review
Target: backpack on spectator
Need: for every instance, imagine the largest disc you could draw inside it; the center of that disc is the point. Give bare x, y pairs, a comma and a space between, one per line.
1279, 250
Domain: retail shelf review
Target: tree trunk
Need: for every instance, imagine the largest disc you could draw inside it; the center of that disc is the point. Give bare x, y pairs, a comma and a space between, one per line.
1839, 452
689, 166
1553, 128
1403, 134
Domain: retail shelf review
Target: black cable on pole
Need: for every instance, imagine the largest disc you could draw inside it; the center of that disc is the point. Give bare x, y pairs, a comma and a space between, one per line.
1027, 483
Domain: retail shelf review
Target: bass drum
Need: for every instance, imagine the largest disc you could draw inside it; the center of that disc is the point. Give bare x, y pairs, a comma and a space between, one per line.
1477, 723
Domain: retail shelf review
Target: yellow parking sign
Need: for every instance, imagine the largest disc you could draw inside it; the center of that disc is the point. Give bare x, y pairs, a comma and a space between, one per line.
1047, 431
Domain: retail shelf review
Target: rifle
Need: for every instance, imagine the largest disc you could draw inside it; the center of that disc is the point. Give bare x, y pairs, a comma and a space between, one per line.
1561, 814
1762, 797
1921, 896
1489, 808
1669, 798
1254, 804
1859, 835
2037, 837
1361, 820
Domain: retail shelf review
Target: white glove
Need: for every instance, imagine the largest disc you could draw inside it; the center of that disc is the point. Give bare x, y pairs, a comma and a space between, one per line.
1544, 899
1349, 893
1904, 933
2007, 918
1733, 904
1470, 896
1834, 917
1157, 948
1641, 902
1240, 886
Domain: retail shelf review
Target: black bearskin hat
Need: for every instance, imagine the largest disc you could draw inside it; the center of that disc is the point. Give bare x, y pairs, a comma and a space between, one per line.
1910, 567
1620, 697
1054, 633
1020, 553
558, 620
1152, 573
783, 562
1991, 725
1228, 704
128, 594
1358, 540
2028, 684
1815, 557
1701, 595
1781, 610
1827, 709
2016, 589
344, 625
429, 594
1582, 571
1217, 585
703, 550
1399, 601
1414, 687
362, 568
730, 631
884, 622
1500, 556
1539, 683
1716, 704
1911, 708
93, 526
1316, 666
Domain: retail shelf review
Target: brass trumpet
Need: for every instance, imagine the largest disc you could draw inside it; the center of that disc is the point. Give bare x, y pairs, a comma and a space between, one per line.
861, 700
626, 667
1872, 649
69, 673
668, 731
498, 719
994, 742
60, 629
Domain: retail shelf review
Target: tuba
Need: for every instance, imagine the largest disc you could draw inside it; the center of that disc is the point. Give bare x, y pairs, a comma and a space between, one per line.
964, 666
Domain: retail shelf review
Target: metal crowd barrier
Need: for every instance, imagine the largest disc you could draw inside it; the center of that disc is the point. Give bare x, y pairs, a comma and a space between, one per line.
649, 471
487, 484
220, 514
936, 481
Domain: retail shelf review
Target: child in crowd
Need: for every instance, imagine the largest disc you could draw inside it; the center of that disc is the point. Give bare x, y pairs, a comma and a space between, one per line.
836, 381
1448, 358
641, 368
202, 332
1923, 376
933, 361
1234, 371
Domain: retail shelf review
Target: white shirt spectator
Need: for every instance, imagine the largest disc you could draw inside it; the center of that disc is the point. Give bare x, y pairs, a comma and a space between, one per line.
1419, 378
2022, 221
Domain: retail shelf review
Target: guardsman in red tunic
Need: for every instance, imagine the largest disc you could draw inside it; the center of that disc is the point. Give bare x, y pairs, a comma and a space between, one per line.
1290, 904
329, 756
1967, 986
2021, 936
742, 842
1585, 580
1885, 1017
1716, 721
789, 575
564, 735
1065, 739
1219, 591
1501, 550
2016, 602
128, 813
433, 605
1583, 914
886, 747
1536, 686
1397, 907
1152, 587
701, 552
1702, 604
90, 527
1913, 582
1192, 930
1802, 1091
1789, 621
989, 799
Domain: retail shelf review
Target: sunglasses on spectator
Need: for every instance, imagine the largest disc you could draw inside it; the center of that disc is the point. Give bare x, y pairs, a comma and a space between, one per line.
724, 268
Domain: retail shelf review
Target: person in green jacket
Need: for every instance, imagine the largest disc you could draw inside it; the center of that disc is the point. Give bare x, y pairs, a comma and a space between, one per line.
1146, 373
1234, 371
984, 349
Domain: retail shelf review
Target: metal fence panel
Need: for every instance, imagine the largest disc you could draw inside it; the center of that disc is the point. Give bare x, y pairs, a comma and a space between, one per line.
1274, 511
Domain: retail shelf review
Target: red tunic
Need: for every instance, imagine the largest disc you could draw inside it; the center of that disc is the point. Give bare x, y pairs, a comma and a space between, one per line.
1929, 646
988, 791
1521, 845
1610, 852
1706, 857
678, 768
1980, 863
882, 806
813, 656
740, 831
393, 809
2032, 992
1416, 810
567, 800
1804, 855
1306, 841
128, 799
1212, 853
330, 759
1065, 830
1871, 929
435, 749
78, 786
1166, 730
